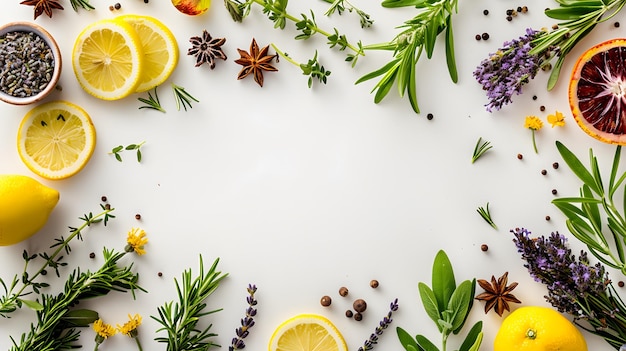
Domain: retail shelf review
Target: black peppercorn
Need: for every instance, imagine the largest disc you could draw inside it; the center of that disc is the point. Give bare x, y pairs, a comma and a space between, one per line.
92, 255
520, 156
544, 172
555, 165
547, 218
160, 274
325, 301
349, 313
374, 283
485, 12
429, 116
534, 97
519, 9
616, 24
343, 291
44, 272
478, 37
103, 199
620, 284
554, 191
509, 18
509, 12
146, 1
117, 6
358, 317
542, 108
485, 36
359, 305
484, 247
137, 216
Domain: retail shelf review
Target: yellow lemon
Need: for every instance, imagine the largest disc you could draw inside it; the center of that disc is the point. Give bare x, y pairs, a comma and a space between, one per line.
25, 205
56, 139
536, 328
108, 59
307, 332
160, 50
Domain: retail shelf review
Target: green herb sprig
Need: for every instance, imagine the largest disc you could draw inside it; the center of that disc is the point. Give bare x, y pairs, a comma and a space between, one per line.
486, 215
182, 97
341, 6
84, 4
120, 148
419, 34
481, 147
313, 69
276, 11
27, 283
57, 323
594, 217
180, 319
448, 305
152, 102
578, 19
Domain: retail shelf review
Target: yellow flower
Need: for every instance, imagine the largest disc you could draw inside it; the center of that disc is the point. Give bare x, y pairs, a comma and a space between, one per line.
130, 328
556, 120
103, 331
533, 122
136, 240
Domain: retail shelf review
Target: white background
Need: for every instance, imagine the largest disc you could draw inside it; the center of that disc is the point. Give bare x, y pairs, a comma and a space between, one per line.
302, 191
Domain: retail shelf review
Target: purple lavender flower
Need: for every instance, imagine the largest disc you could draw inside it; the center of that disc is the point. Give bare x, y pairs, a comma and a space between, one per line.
382, 325
508, 69
247, 322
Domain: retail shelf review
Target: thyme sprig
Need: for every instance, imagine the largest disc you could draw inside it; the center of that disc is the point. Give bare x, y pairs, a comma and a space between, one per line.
182, 97
312, 68
180, 319
82, 4
578, 19
120, 148
276, 11
481, 147
152, 102
26, 283
56, 327
341, 6
594, 216
486, 215
419, 34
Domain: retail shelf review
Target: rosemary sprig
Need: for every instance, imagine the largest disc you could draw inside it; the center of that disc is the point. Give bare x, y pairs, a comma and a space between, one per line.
578, 19
82, 4
53, 330
486, 215
340, 6
481, 147
276, 11
180, 320
420, 34
152, 102
120, 148
26, 283
312, 68
182, 97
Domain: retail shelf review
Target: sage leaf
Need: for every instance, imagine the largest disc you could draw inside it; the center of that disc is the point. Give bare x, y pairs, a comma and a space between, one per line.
443, 283
33, 305
425, 344
407, 341
472, 336
429, 301
80, 317
459, 304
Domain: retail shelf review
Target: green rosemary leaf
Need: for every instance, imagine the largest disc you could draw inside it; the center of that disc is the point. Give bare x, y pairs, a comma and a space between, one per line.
450, 57
480, 149
402, 3
613, 186
152, 102
577, 167
486, 215
182, 97
82, 4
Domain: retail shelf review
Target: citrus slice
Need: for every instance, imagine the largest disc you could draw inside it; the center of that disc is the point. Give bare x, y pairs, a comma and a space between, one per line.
107, 59
56, 139
307, 332
597, 91
160, 50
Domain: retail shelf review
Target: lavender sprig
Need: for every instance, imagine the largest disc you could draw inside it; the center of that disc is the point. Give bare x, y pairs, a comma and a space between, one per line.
247, 322
574, 285
382, 325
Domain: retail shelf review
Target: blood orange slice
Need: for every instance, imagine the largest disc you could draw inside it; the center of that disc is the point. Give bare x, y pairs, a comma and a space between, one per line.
597, 91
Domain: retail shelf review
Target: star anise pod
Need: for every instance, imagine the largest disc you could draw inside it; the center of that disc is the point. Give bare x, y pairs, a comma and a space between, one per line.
206, 49
255, 62
42, 6
497, 294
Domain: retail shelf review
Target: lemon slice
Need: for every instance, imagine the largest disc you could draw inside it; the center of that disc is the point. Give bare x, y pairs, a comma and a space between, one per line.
56, 139
160, 50
307, 332
107, 59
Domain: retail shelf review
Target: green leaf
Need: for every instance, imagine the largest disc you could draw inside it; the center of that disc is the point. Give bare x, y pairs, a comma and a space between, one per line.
571, 13
429, 301
472, 336
450, 59
430, 38
425, 344
80, 317
577, 167
615, 184
407, 340
459, 304
118, 157
384, 69
117, 149
138, 155
33, 305
412, 87
469, 307
477, 342
384, 86
401, 3
443, 283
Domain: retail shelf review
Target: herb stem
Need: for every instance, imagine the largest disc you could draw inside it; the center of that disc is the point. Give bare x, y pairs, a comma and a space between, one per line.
285, 56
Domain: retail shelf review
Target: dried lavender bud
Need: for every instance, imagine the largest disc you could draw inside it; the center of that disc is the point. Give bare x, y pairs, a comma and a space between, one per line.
247, 322
382, 325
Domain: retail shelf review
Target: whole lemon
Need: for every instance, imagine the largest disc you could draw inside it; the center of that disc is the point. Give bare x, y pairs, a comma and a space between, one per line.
537, 328
25, 205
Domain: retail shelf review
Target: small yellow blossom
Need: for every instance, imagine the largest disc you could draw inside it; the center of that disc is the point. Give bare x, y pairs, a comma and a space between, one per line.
533, 122
103, 331
130, 328
557, 119
136, 240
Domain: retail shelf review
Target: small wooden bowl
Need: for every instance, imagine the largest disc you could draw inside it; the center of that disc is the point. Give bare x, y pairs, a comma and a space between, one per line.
28, 27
